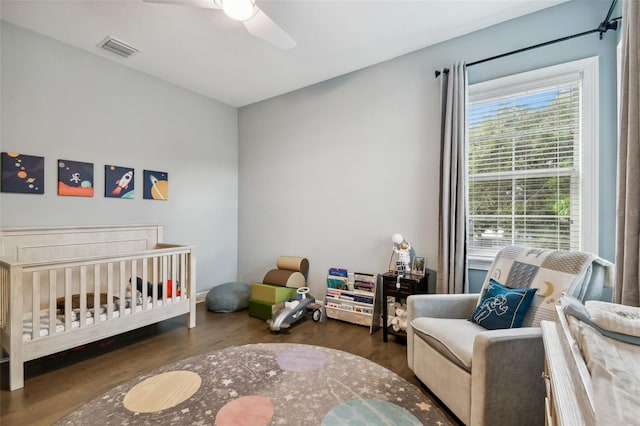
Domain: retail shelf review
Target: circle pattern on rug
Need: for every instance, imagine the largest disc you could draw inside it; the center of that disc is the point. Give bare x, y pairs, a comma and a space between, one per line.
276, 383
363, 412
302, 359
246, 411
162, 391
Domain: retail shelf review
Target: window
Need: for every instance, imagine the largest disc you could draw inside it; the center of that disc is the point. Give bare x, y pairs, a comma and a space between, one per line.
532, 162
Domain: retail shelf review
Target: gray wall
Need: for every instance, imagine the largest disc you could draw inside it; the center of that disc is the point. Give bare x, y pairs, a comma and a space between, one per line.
331, 171
60, 102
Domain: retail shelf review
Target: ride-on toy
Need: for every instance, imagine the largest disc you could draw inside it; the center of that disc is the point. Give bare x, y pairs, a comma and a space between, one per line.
295, 309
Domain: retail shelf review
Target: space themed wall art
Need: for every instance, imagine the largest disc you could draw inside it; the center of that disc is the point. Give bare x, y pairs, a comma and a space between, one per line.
23, 174
156, 185
118, 182
75, 178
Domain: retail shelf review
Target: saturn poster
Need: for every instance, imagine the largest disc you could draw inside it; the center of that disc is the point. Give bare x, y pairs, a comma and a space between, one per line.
156, 185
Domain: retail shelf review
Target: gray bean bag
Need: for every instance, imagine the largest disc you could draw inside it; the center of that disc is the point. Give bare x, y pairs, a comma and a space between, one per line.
229, 297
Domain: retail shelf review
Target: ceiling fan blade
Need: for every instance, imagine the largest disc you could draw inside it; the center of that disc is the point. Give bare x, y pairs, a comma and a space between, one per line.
206, 4
263, 27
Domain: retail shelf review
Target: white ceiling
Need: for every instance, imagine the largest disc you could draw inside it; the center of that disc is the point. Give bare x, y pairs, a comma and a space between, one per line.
204, 51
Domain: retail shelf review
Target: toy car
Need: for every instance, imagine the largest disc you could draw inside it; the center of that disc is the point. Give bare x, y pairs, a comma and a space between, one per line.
295, 309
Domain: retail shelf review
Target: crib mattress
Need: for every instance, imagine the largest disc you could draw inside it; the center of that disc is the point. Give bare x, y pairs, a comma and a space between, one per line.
27, 323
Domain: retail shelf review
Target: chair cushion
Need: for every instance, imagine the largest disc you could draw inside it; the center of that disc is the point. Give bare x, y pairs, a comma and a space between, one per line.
502, 307
229, 297
451, 337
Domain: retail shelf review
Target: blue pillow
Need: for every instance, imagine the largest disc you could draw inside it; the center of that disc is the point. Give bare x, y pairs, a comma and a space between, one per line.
502, 306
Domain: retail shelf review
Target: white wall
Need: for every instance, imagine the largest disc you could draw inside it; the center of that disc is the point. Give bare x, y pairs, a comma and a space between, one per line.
60, 102
331, 171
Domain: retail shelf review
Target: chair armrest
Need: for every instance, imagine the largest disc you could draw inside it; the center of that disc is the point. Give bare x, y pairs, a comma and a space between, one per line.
508, 364
441, 305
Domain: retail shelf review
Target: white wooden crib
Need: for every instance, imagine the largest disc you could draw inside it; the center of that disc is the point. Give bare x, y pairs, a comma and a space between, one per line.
42, 271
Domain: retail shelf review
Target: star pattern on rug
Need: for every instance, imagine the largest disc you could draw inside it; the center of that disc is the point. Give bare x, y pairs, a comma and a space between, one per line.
424, 406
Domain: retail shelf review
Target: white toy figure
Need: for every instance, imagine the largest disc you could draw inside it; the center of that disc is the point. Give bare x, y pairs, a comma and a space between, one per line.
403, 249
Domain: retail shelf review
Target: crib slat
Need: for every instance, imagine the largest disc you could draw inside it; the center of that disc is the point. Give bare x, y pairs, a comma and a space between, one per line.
122, 289
53, 287
35, 304
132, 283
109, 291
165, 265
145, 279
154, 281
96, 293
183, 278
83, 296
172, 273
67, 298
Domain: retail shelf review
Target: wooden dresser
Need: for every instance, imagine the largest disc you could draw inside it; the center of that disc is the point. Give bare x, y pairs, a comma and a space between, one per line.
569, 399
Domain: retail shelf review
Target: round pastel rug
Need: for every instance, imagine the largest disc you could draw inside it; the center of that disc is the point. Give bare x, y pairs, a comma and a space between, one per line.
264, 384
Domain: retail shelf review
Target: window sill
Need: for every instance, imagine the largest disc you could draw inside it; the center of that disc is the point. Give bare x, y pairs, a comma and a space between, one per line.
482, 263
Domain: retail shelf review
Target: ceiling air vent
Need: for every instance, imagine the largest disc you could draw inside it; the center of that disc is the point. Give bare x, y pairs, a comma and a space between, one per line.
116, 46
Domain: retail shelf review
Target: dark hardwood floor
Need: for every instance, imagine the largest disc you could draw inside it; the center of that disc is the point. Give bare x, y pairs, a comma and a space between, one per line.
58, 384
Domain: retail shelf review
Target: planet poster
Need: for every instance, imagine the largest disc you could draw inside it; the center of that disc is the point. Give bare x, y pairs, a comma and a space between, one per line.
75, 178
156, 185
118, 182
22, 174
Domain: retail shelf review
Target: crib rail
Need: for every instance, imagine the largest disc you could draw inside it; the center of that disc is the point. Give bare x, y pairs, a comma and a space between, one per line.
62, 287
61, 295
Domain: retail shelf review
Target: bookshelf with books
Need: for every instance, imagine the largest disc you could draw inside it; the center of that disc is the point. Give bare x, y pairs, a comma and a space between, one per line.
352, 298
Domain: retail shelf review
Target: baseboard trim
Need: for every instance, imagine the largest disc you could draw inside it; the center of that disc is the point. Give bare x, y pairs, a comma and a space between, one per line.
201, 297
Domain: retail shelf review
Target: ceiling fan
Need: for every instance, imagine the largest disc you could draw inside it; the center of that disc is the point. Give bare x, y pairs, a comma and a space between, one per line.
252, 17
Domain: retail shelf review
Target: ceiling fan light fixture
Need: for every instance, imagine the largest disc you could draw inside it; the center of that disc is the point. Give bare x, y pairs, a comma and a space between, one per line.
240, 10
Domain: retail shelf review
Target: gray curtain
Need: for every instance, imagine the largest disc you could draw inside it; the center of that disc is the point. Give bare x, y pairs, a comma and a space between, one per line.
627, 289
452, 227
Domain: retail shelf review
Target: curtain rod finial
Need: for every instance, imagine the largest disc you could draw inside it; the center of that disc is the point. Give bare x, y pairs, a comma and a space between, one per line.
439, 73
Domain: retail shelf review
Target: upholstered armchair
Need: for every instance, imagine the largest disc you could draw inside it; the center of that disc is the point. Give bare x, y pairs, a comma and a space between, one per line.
493, 377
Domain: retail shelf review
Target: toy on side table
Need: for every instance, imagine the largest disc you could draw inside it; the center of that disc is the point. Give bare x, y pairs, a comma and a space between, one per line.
399, 321
405, 253
295, 309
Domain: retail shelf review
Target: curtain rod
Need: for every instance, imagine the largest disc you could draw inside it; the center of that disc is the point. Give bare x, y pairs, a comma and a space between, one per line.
607, 24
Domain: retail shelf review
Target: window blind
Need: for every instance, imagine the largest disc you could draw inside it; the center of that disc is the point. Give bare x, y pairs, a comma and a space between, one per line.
524, 168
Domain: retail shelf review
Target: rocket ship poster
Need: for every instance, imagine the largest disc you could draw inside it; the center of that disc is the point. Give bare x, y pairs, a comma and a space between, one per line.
118, 182
23, 174
75, 178
156, 185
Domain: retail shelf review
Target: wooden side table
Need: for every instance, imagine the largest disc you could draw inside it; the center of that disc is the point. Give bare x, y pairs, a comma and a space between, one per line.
399, 288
